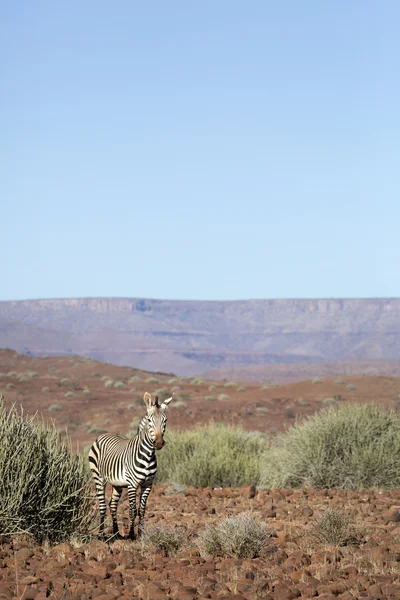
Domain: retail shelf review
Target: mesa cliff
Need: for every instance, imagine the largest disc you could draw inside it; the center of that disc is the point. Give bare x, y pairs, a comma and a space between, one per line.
191, 337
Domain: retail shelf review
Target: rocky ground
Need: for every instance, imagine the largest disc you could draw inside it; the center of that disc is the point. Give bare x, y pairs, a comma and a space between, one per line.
295, 564
78, 395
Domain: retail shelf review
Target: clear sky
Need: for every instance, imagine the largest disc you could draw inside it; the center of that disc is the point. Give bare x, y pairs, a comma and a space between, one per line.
220, 149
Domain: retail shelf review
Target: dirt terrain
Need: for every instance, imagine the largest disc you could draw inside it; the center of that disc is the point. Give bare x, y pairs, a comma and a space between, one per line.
86, 397
76, 393
295, 563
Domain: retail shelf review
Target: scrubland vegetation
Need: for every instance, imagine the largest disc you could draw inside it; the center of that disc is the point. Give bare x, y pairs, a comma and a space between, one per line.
44, 489
351, 447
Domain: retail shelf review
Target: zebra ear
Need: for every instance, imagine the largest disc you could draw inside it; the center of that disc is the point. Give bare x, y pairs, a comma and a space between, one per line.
147, 400
166, 402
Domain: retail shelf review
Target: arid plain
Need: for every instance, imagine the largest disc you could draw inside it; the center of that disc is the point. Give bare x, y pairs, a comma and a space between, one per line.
85, 397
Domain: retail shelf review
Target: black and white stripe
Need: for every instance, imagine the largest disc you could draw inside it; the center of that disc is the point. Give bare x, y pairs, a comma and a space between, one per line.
129, 463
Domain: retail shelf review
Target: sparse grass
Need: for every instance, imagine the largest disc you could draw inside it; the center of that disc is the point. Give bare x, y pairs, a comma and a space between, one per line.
240, 536
349, 446
211, 388
317, 380
134, 378
351, 387
119, 384
44, 488
69, 394
209, 398
86, 392
152, 380
230, 384
45, 389
177, 404
331, 527
241, 389
96, 429
10, 386
223, 397
175, 488
163, 394
54, 408
165, 538
211, 455
339, 382
65, 381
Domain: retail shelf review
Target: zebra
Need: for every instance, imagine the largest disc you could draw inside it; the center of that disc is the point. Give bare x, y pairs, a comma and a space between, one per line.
129, 463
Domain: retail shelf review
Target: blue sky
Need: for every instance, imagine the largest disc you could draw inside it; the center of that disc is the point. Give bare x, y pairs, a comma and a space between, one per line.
200, 150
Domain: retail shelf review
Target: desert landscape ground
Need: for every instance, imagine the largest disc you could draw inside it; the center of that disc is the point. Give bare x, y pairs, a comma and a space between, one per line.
85, 397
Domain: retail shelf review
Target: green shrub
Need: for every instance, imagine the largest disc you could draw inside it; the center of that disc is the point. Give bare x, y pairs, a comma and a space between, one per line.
119, 384
152, 380
69, 395
45, 389
44, 488
86, 392
54, 408
134, 378
241, 389
209, 398
211, 455
223, 397
349, 446
317, 380
351, 387
211, 388
108, 383
240, 536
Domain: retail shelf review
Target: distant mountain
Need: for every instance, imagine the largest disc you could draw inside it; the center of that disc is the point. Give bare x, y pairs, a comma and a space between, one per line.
191, 337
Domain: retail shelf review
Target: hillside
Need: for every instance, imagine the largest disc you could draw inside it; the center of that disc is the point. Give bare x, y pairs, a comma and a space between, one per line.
86, 396
191, 337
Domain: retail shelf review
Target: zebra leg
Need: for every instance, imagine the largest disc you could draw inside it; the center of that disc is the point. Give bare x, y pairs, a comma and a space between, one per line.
116, 495
144, 494
100, 492
132, 510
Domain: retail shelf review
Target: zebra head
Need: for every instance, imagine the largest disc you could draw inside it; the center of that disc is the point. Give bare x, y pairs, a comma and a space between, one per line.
156, 419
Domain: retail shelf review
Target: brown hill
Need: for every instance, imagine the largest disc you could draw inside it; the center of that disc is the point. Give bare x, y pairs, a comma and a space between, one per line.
296, 372
86, 396
190, 337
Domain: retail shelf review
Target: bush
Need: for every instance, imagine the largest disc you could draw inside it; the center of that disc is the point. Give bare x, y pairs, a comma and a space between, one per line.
54, 408
119, 384
168, 540
223, 397
350, 446
44, 489
240, 536
211, 455
332, 527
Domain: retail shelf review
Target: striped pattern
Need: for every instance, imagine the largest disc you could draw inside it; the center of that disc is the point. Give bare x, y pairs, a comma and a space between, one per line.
129, 463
